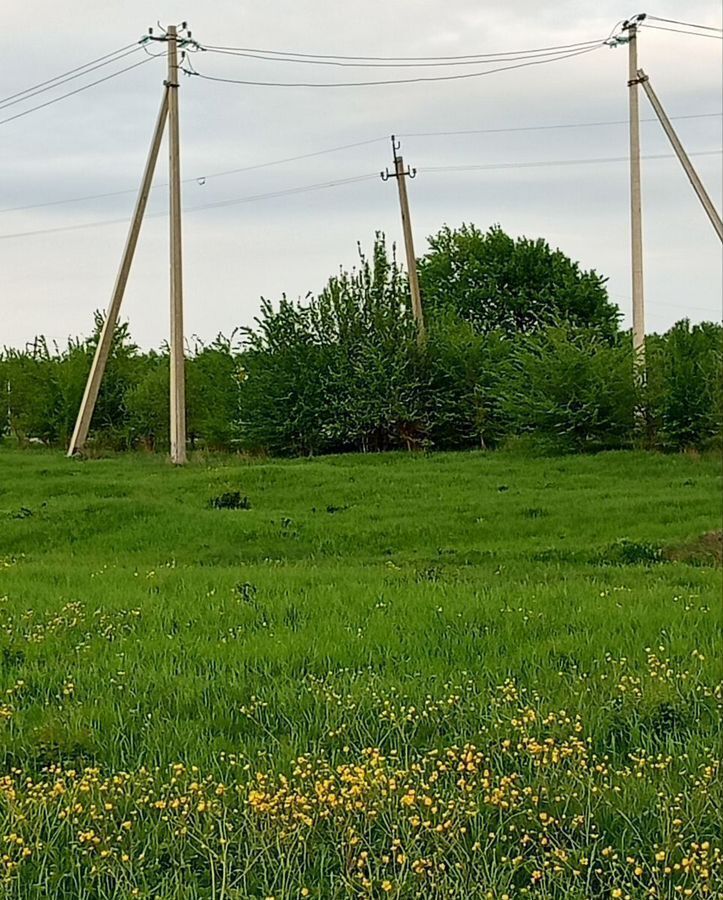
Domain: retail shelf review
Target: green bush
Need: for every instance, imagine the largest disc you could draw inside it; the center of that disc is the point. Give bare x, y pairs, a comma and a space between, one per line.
340, 372
570, 388
465, 372
684, 390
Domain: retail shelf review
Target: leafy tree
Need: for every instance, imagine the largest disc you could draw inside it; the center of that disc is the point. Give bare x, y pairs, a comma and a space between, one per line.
495, 282
466, 372
684, 391
338, 372
148, 404
33, 394
212, 392
571, 389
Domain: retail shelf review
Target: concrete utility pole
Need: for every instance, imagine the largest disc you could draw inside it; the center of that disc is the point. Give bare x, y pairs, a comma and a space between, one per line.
105, 341
636, 217
178, 374
168, 111
401, 175
705, 200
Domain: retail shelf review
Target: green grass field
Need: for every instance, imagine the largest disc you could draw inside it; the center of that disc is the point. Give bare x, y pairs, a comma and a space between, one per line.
456, 675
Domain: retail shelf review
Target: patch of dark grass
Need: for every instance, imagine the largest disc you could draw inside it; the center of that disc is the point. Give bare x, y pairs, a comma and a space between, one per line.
666, 721
230, 500
630, 553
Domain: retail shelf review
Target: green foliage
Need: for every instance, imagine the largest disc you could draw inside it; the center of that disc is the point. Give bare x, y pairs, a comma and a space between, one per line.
466, 371
212, 388
33, 393
340, 372
521, 347
625, 552
148, 404
684, 392
132, 410
495, 281
571, 389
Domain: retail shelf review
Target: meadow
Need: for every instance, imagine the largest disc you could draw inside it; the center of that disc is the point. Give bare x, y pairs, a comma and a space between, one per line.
457, 675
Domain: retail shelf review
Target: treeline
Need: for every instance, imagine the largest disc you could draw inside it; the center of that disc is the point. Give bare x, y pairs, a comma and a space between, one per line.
520, 346
45, 385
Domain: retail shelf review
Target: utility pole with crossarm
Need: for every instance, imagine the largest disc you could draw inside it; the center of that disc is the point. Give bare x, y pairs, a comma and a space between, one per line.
167, 113
401, 174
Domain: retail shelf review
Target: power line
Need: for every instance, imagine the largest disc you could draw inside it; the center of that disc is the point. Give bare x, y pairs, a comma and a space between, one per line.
76, 91
715, 37
354, 179
556, 162
69, 72
306, 60
203, 178
367, 142
421, 59
628, 302
57, 83
685, 24
546, 127
217, 204
418, 79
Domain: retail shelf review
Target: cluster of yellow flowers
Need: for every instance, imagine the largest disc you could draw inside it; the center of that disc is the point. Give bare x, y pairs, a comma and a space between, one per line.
532, 810
73, 618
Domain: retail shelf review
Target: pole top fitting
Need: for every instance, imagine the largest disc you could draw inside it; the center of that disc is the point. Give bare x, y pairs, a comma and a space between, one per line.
633, 21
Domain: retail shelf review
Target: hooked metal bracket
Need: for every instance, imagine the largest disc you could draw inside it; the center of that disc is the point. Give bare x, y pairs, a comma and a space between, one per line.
639, 80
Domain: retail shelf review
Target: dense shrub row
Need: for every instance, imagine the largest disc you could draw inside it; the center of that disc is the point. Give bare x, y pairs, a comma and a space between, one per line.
345, 369
45, 385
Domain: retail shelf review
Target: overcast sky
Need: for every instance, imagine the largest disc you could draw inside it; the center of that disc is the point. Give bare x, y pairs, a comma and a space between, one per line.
96, 142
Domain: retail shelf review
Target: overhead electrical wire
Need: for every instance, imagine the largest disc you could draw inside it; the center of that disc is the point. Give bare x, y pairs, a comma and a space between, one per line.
685, 24
556, 162
715, 37
203, 178
302, 189
306, 60
218, 203
390, 81
57, 84
420, 59
78, 90
354, 179
69, 72
550, 127
200, 179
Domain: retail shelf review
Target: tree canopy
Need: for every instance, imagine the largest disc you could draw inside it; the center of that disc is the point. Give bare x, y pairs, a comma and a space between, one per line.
517, 285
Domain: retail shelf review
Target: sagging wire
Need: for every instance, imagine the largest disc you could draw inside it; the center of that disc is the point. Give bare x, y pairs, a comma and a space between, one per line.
136, 45
715, 37
190, 70
76, 91
305, 59
686, 24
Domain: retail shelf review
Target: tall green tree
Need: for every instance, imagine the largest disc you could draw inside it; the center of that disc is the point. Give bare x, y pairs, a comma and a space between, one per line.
517, 285
338, 372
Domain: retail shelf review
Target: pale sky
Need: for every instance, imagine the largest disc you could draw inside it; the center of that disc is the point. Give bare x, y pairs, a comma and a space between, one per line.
96, 142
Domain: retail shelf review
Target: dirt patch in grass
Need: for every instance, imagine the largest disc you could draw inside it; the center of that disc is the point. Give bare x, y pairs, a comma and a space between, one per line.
706, 550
